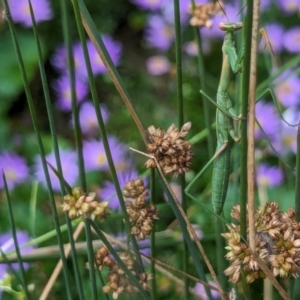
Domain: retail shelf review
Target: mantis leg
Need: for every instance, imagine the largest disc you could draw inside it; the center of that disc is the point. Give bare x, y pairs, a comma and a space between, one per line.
270, 92
228, 113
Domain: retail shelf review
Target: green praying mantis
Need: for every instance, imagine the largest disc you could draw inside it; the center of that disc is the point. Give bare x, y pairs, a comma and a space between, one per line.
225, 117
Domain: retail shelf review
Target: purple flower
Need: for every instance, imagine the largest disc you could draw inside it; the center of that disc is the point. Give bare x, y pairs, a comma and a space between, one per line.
285, 141
268, 119
148, 4
88, 118
113, 47
264, 5
291, 40
62, 87
268, 176
287, 89
275, 33
176, 189
68, 160
20, 11
168, 11
7, 245
95, 157
59, 59
289, 6
108, 192
15, 169
191, 48
158, 65
200, 290
292, 116
159, 34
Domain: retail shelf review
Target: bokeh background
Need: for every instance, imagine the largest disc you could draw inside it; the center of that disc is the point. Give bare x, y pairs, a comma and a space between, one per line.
139, 35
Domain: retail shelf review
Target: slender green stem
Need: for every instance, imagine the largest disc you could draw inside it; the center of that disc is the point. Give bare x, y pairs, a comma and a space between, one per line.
41, 149
154, 294
91, 258
295, 283
93, 33
244, 111
14, 235
82, 13
251, 126
206, 105
221, 252
180, 124
297, 185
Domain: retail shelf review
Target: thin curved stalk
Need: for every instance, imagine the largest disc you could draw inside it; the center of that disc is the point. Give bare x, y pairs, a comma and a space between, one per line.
14, 235
41, 148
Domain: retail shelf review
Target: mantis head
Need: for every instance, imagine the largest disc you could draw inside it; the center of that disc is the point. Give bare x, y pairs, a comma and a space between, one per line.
230, 27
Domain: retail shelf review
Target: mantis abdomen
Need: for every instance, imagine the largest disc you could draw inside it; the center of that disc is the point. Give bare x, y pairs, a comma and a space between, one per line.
220, 178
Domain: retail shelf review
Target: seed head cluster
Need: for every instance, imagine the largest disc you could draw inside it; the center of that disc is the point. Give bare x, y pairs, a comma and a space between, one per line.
202, 14
82, 204
141, 215
117, 281
277, 244
170, 150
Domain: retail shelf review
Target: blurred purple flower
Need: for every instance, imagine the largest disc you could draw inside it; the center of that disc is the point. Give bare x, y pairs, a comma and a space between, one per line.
268, 176
287, 89
68, 160
287, 139
59, 59
7, 245
108, 192
289, 6
191, 48
292, 116
20, 11
176, 190
275, 33
200, 290
95, 157
158, 65
291, 40
159, 34
62, 87
113, 47
168, 11
88, 118
264, 5
268, 119
148, 4
15, 169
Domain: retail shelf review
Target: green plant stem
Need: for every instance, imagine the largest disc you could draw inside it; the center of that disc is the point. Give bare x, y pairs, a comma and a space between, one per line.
294, 289
56, 147
244, 111
154, 294
180, 124
41, 149
82, 15
93, 33
206, 105
297, 185
14, 235
221, 252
